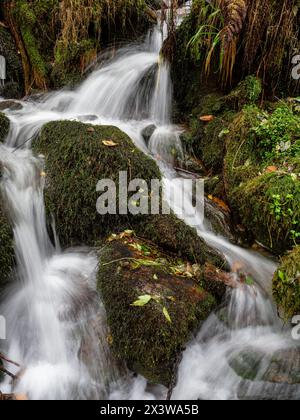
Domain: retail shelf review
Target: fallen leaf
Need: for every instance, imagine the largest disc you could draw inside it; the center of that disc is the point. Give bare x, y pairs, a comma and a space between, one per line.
109, 143
167, 315
219, 202
271, 169
207, 118
142, 300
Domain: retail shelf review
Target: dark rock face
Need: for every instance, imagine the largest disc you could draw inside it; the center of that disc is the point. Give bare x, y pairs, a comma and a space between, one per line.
14, 84
148, 132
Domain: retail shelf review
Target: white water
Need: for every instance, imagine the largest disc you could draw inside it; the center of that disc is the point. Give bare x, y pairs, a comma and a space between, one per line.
55, 320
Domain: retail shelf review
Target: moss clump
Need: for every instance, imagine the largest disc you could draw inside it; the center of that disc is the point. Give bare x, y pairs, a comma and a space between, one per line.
76, 159
205, 140
6, 248
4, 127
286, 284
246, 93
264, 195
241, 160
150, 337
62, 38
269, 207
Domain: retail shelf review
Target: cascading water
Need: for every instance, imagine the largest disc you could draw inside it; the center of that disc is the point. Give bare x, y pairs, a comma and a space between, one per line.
55, 319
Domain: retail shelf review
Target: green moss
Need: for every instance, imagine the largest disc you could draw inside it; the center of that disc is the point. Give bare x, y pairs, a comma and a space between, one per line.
4, 127
76, 159
143, 336
241, 160
246, 93
27, 20
279, 134
206, 140
265, 198
286, 284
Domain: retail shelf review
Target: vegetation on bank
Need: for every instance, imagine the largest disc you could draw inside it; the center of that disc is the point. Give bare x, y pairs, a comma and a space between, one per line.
58, 40
247, 139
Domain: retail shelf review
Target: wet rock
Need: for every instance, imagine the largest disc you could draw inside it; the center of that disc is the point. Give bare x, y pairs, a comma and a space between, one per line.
154, 303
76, 159
148, 132
11, 105
268, 376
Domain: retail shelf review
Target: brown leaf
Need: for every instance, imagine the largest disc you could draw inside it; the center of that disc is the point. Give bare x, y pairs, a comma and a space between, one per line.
271, 169
219, 202
207, 118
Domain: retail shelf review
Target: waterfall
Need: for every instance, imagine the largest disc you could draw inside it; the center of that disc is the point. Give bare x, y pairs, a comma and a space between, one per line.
48, 329
2, 70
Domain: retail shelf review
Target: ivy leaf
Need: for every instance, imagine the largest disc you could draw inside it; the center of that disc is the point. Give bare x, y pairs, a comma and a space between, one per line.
167, 315
142, 301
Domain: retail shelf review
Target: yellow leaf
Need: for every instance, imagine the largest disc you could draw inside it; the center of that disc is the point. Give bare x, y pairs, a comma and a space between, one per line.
109, 143
167, 315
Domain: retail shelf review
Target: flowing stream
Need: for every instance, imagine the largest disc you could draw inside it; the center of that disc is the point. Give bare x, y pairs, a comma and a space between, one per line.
56, 325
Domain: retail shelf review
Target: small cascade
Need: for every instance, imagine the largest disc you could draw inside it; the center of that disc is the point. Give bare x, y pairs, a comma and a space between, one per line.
2, 71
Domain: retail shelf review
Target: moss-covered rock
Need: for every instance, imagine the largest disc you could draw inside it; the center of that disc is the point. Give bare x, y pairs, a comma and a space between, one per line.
4, 127
286, 284
281, 367
77, 157
154, 303
14, 84
264, 194
205, 140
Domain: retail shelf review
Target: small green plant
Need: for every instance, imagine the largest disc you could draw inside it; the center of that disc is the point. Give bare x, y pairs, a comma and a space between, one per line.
279, 134
282, 209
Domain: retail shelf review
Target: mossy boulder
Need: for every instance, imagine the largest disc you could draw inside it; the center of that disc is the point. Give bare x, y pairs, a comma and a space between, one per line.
286, 284
14, 84
77, 157
4, 127
266, 376
154, 303
264, 194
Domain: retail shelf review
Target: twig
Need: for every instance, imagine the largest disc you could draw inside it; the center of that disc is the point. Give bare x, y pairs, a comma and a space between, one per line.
23, 144
6, 372
8, 360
